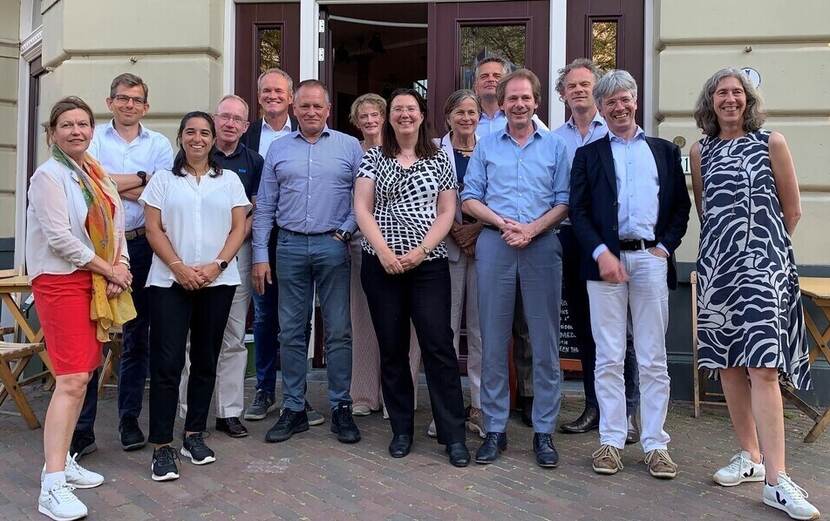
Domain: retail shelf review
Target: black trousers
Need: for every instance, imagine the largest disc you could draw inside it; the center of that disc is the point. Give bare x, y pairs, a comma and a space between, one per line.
175, 312
422, 295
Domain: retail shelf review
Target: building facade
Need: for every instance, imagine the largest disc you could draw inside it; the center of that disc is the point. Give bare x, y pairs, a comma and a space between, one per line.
191, 52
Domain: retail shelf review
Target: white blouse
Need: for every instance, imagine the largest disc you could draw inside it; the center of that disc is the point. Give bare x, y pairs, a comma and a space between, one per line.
57, 242
197, 220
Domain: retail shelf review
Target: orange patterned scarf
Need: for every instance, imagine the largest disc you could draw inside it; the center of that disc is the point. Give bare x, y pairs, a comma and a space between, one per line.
102, 199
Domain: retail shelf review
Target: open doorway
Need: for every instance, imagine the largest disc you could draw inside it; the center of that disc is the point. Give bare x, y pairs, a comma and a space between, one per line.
374, 48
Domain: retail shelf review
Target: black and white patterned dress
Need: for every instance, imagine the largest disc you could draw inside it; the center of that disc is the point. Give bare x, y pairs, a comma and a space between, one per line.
406, 199
749, 301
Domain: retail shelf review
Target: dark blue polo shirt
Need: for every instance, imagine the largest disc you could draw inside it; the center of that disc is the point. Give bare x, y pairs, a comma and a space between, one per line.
246, 163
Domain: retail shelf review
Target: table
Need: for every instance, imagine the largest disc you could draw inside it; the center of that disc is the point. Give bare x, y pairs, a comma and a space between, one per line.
816, 289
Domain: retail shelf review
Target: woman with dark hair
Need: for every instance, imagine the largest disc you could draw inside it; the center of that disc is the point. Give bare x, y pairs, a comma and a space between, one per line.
750, 321
405, 196
78, 263
195, 222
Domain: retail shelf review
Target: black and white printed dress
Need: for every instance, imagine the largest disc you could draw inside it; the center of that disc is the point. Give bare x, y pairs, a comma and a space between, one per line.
406, 199
749, 301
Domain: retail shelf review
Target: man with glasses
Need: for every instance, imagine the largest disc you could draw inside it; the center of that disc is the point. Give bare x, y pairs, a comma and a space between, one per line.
231, 119
130, 153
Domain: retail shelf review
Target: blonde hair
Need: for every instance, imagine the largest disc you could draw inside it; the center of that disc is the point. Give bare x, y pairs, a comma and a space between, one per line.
369, 98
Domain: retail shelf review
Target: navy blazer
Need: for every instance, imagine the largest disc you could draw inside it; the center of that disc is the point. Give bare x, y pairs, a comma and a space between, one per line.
252, 136
594, 202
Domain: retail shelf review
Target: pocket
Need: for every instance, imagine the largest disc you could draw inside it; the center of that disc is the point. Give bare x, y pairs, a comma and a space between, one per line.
648, 252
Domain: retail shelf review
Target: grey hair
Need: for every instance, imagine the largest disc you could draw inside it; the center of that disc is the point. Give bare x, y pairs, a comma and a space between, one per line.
704, 113
226, 97
313, 83
278, 72
369, 98
613, 81
494, 58
579, 63
455, 99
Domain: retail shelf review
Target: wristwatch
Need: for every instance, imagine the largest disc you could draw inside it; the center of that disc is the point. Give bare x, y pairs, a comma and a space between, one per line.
343, 235
426, 250
143, 176
223, 265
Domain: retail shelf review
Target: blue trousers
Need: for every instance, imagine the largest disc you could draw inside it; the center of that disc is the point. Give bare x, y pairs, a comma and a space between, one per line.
303, 262
537, 271
135, 354
267, 327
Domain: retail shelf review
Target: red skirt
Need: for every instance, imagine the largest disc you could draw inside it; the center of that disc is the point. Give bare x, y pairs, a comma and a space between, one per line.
63, 306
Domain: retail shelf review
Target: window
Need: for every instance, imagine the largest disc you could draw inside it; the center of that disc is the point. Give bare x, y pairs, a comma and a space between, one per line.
480, 41
604, 43
270, 47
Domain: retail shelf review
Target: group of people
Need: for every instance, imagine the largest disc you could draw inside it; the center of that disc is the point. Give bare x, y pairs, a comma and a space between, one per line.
401, 232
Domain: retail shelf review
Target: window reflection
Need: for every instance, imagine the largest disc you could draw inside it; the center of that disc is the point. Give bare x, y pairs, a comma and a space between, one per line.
480, 41
604, 44
270, 48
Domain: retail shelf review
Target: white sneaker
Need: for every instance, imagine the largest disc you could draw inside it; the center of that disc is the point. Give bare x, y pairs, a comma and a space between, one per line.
741, 469
432, 431
361, 410
60, 503
790, 498
76, 475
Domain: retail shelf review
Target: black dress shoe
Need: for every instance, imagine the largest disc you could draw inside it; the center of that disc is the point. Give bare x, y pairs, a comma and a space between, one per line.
232, 427
459, 455
400, 445
290, 423
493, 445
527, 410
546, 455
633, 435
587, 421
342, 424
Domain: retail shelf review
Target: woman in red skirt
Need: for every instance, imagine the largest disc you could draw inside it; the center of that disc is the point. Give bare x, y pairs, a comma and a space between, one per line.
77, 260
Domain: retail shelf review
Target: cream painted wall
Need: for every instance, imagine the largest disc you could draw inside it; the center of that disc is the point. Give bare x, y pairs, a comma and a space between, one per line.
789, 47
9, 55
176, 47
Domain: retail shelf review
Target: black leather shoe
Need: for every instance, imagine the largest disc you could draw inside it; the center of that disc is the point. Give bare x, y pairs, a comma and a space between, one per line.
290, 423
459, 455
400, 445
493, 445
587, 421
546, 455
232, 427
633, 435
527, 410
342, 424
131, 436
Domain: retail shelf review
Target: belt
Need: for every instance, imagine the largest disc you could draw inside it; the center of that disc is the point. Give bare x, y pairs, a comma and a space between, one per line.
134, 234
290, 232
636, 244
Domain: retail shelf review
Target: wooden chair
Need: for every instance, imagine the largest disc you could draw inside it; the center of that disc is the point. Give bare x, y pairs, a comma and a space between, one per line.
109, 371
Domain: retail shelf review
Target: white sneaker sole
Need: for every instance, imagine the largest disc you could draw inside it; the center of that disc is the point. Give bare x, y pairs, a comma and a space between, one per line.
170, 476
774, 504
84, 485
604, 471
46, 512
186, 453
742, 480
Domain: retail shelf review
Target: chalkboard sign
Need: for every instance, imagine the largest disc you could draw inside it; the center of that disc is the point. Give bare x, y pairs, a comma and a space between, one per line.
567, 339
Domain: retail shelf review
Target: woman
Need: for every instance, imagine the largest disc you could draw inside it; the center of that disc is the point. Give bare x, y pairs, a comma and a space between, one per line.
462, 111
367, 114
78, 263
195, 222
750, 320
404, 204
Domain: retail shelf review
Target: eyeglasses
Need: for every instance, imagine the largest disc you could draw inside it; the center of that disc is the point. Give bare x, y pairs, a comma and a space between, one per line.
223, 118
123, 99
408, 110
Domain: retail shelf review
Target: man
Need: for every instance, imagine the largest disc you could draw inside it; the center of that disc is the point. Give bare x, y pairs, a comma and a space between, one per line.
488, 73
629, 209
575, 86
130, 153
517, 186
307, 186
231, 119
275, 94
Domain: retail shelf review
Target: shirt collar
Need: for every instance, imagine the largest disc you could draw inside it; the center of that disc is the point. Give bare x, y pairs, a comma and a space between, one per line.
240, 147
537, 132
497, 115
598, 121
298, 133
639, 134
142, 132
285, 128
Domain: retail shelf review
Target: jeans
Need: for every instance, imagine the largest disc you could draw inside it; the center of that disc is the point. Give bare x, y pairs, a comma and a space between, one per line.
303, 262
267, 327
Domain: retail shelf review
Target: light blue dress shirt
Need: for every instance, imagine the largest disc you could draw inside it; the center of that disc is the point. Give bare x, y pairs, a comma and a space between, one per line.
488, 125
269, 135
520, 183
148, 152
638, 189
307, 186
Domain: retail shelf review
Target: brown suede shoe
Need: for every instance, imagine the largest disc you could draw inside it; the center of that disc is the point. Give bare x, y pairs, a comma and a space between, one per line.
607, 460
660, 464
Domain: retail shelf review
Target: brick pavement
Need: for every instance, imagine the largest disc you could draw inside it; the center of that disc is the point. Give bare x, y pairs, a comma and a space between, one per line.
313, 477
